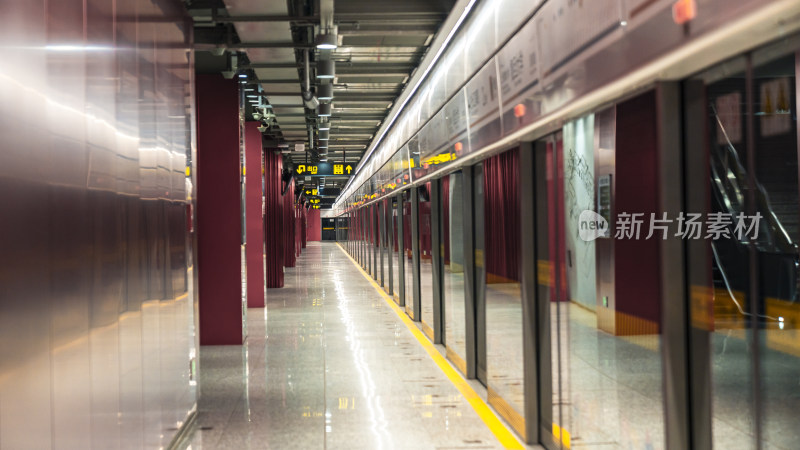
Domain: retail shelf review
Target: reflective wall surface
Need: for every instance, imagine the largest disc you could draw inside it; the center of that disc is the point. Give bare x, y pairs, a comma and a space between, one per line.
97, 311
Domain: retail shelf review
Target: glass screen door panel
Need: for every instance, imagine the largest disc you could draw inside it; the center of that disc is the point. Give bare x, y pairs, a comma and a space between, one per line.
408, 255
503, 290
454, 283
394, 247
425, 260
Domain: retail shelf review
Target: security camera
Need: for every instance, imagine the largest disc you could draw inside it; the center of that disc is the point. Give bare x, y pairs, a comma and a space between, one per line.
312, 102
256, 116
228, 74
263, 128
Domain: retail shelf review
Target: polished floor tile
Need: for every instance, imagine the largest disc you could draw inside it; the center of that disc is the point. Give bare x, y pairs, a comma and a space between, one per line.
328, 364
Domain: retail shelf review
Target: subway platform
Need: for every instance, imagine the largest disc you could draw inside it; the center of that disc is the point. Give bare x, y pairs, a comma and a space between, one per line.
332, 363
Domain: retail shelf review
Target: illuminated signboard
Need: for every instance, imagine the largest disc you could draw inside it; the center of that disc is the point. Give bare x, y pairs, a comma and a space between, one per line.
323, 169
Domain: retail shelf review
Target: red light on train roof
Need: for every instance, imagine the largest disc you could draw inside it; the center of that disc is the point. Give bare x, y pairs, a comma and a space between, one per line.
684, 11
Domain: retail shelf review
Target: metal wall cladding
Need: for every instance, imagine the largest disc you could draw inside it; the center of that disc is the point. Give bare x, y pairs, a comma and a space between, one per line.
520, 84
547, 55
559, 36
483, 108
96, 299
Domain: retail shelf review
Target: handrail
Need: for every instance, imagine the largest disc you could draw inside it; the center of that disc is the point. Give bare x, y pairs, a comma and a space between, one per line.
728, 286
779, 238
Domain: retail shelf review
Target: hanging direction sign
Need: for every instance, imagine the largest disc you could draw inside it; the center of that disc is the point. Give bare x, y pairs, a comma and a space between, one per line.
323, 169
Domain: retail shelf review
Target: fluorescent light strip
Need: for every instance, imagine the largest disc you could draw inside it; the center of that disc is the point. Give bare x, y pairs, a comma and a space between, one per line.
414, 90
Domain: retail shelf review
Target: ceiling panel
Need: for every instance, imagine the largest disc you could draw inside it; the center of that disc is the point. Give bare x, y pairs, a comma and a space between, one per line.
380, 45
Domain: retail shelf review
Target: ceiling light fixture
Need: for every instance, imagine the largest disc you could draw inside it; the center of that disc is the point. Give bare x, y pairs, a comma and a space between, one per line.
327, 41
312, 102
326, 69
376, 142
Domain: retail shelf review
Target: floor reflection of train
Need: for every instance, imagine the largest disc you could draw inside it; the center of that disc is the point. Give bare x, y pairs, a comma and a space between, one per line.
677, 329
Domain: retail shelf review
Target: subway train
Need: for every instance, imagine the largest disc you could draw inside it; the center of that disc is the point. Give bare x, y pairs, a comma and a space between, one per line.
594, 207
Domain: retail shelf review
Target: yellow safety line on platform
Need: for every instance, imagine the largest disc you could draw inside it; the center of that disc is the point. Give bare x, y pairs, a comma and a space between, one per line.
497, 427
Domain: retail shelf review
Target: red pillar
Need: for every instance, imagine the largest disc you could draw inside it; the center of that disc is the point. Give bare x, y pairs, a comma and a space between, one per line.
254, 249
273, 230
298, 238
637, 298
219, 262
304, 225
314, 225
288, 237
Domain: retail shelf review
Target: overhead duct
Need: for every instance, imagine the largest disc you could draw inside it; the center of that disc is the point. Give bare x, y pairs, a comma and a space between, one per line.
376, 46
325, 15
310, 100
271, 42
